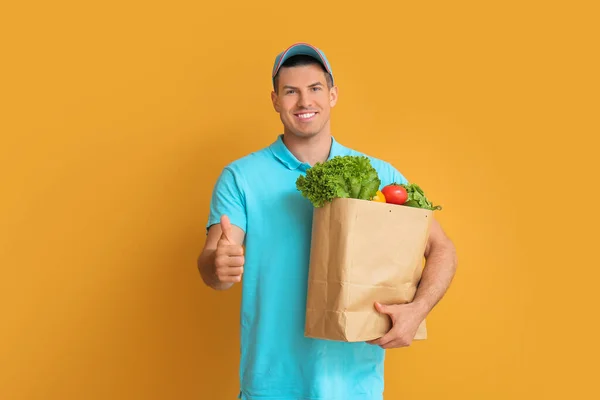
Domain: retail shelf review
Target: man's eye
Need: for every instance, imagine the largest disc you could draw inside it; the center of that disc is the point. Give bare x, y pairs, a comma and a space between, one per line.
290, 91
316, 88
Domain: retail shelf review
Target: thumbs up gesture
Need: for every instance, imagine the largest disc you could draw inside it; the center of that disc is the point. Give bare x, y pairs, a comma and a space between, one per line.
229, 256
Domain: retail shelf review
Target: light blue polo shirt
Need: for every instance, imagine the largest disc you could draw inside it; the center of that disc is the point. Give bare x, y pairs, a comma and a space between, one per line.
258, 193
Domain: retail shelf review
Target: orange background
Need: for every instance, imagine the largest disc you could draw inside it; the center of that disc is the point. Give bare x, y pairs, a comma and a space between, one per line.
117, 117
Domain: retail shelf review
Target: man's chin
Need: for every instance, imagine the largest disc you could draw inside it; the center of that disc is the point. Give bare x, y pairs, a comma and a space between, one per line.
305, 134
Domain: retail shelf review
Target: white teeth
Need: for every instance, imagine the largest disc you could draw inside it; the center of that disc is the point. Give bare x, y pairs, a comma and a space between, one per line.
306, 115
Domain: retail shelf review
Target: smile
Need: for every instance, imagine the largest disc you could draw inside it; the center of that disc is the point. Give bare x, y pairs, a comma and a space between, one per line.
306, 116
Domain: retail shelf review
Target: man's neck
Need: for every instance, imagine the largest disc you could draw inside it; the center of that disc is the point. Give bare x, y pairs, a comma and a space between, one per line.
309, 150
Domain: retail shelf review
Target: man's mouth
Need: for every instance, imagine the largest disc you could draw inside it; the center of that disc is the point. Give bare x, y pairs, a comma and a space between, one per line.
306, 116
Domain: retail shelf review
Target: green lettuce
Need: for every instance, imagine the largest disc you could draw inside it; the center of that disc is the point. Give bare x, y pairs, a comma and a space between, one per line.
417, 198
340, 177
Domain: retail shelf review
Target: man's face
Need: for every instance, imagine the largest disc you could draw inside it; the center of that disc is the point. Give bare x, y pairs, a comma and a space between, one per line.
304, 101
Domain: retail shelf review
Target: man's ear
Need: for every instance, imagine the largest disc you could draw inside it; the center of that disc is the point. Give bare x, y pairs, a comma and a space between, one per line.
333, 96
275, 101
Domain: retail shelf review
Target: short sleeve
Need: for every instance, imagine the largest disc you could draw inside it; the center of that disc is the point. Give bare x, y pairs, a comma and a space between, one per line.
397, 176
227, 199
390, 174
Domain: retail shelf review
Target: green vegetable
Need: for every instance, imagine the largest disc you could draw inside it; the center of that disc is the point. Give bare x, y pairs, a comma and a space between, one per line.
341, 177
417, 198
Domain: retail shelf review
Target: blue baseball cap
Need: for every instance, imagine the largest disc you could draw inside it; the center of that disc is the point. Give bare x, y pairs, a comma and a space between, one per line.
301, 49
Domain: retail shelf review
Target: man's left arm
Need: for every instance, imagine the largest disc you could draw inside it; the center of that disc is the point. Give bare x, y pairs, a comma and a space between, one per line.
440, 267
439, 270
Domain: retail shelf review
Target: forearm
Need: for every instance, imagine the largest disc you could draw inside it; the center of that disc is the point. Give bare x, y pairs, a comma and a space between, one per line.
206, 266
440, 267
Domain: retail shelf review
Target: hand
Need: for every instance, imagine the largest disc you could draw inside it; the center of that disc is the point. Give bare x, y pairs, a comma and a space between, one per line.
406, 319
229, 256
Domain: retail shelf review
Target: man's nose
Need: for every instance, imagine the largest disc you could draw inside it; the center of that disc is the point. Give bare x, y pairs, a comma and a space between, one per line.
304, 100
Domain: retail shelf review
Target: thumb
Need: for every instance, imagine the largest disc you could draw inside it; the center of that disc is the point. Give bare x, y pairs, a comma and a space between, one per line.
382, 308
226, 229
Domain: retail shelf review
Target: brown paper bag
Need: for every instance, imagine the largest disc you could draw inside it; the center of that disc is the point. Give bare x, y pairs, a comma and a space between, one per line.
363, 252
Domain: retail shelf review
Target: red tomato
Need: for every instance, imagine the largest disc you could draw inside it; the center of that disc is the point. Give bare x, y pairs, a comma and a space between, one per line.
395, 194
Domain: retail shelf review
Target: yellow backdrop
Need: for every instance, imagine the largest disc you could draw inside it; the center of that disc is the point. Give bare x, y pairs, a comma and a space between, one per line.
118, 116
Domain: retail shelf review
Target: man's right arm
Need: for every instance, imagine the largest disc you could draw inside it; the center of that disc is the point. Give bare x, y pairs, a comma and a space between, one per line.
222, 259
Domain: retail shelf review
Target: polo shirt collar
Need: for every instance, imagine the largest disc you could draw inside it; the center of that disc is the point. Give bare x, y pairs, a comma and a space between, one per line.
285, 156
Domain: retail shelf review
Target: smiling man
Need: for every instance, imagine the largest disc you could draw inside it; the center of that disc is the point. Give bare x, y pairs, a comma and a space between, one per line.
303, 95
259, 228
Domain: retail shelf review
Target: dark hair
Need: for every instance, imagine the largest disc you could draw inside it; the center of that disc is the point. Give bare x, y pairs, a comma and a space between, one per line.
298, 61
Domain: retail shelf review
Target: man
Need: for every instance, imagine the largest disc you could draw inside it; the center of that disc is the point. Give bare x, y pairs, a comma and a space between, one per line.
259, 227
